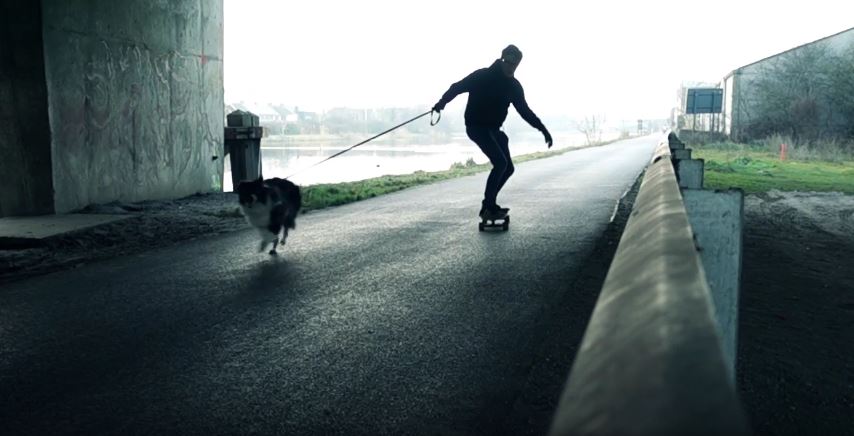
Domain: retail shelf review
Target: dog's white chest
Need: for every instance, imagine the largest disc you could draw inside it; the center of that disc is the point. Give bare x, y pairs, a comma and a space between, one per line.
258, 215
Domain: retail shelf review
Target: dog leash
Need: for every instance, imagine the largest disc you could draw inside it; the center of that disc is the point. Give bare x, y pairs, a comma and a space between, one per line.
372, 138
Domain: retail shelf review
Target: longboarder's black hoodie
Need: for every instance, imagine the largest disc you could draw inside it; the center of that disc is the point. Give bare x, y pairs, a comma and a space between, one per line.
490, 94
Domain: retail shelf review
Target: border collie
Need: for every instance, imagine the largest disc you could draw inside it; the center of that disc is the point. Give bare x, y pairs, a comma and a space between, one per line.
271, 206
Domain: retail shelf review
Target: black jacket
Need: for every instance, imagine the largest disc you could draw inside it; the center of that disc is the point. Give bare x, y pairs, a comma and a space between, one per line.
490, 94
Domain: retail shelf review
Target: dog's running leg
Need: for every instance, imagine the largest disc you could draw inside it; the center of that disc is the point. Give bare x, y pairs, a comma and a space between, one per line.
275, 243
284, 236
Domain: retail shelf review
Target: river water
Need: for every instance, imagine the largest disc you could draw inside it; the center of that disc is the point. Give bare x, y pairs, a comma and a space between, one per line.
283, 156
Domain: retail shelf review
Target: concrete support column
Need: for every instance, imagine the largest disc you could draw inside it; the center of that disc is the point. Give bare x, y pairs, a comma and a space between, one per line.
135, 96
26, 187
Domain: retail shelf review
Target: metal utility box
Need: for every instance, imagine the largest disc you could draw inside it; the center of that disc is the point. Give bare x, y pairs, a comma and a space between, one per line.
243, 145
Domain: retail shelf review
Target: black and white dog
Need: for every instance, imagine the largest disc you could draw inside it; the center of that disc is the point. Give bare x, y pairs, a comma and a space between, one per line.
271, 206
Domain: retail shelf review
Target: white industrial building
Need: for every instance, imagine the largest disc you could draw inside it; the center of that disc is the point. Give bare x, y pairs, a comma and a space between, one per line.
739, 92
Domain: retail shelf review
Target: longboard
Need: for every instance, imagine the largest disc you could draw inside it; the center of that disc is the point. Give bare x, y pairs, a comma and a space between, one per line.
501, 222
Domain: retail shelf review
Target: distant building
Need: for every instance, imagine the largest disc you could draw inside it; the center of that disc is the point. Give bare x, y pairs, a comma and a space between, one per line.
266, 113
274, 118
308, 122
283, 111
739, 93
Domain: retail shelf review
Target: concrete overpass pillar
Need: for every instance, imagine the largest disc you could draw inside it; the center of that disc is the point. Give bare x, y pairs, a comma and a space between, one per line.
26, 183
106, 101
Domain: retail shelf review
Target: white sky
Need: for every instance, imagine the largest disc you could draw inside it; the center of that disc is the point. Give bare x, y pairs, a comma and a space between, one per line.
624, 59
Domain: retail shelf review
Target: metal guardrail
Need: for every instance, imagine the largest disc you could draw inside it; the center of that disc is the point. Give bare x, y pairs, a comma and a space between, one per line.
651, 361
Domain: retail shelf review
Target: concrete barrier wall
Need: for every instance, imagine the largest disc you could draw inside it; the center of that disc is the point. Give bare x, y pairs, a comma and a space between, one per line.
716, 219
135, 98
654, 358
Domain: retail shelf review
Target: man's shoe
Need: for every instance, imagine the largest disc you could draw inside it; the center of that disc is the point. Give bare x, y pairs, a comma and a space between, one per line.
493, 214
496, 207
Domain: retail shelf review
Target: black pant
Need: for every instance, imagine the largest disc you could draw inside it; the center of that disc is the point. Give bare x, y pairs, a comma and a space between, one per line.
494, 144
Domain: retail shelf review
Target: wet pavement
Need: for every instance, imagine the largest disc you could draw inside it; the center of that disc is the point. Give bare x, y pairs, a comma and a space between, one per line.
387, 316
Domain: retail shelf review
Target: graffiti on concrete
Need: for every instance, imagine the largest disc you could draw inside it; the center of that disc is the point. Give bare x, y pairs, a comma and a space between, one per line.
130, 121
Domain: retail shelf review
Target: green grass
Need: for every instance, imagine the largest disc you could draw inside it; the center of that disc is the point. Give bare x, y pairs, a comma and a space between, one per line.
326, 195
757, 170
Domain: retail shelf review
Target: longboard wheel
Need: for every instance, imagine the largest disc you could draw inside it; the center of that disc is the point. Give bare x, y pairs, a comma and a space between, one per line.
480, 226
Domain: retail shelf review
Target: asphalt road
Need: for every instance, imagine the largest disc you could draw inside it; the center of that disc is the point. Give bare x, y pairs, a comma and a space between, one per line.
388, 316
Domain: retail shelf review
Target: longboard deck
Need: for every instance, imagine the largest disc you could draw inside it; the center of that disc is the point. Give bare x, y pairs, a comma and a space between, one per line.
503, 223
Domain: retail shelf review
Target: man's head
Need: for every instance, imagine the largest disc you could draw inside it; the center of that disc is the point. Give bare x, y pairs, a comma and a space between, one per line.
510, 58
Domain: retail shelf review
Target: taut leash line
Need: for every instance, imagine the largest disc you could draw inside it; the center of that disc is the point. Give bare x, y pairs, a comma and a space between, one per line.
371, 139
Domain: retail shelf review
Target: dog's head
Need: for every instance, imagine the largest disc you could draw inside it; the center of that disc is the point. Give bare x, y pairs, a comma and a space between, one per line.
250, 192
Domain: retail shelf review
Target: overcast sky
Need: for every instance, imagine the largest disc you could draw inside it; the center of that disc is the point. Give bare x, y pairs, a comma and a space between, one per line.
622, 58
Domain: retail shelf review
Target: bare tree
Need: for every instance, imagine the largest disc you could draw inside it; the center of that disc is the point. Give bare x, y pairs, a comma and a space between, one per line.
798, 94
591, 127
842, 94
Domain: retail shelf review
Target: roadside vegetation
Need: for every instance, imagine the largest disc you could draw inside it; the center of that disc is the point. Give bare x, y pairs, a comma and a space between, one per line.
801, 99
761, 166
326, 195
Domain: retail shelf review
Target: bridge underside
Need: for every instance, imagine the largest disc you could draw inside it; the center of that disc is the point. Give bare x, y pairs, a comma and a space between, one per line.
103, 101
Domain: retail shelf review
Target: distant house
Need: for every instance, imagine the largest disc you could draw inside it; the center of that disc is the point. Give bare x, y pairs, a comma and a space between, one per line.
269, 116
266, 113
309, 122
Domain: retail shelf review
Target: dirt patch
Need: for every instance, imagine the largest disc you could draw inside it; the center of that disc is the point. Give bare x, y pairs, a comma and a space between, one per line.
796, 327
153, 224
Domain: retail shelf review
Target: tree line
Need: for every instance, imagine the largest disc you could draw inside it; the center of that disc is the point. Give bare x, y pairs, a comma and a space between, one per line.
807, 94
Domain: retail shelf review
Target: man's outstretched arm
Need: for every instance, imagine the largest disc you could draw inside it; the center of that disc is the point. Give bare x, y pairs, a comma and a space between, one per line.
528, 115
455, 90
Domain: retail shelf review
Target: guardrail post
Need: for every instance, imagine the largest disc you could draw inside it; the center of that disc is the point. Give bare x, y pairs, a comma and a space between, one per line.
716, 219
689, 172
682, 154
674, 142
